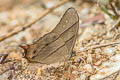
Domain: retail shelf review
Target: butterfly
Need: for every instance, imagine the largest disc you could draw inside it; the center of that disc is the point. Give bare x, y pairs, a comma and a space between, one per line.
57, 45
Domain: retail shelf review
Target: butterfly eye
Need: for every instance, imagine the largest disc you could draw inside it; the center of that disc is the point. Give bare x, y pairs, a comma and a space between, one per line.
34, 51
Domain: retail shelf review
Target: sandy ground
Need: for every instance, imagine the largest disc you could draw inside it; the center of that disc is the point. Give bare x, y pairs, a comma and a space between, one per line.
96, 52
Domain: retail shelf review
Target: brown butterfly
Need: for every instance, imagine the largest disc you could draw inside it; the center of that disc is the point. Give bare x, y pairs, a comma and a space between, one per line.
57, 45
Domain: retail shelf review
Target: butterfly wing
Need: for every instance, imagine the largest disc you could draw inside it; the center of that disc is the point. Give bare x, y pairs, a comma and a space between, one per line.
58, 44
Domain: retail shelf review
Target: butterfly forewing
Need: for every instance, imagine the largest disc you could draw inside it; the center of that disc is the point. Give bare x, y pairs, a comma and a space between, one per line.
57, 45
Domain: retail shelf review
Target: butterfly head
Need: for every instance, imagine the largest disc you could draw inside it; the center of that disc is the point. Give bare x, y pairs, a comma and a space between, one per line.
28, 53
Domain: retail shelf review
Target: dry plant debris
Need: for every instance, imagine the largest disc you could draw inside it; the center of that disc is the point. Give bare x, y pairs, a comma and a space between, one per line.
96, 54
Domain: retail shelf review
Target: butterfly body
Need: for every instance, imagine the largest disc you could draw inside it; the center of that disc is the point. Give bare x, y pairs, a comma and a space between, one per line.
57, 45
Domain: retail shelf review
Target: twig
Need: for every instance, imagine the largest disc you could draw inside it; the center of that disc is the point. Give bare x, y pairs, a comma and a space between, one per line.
114, 10
114, 25
98, 46
34, 21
